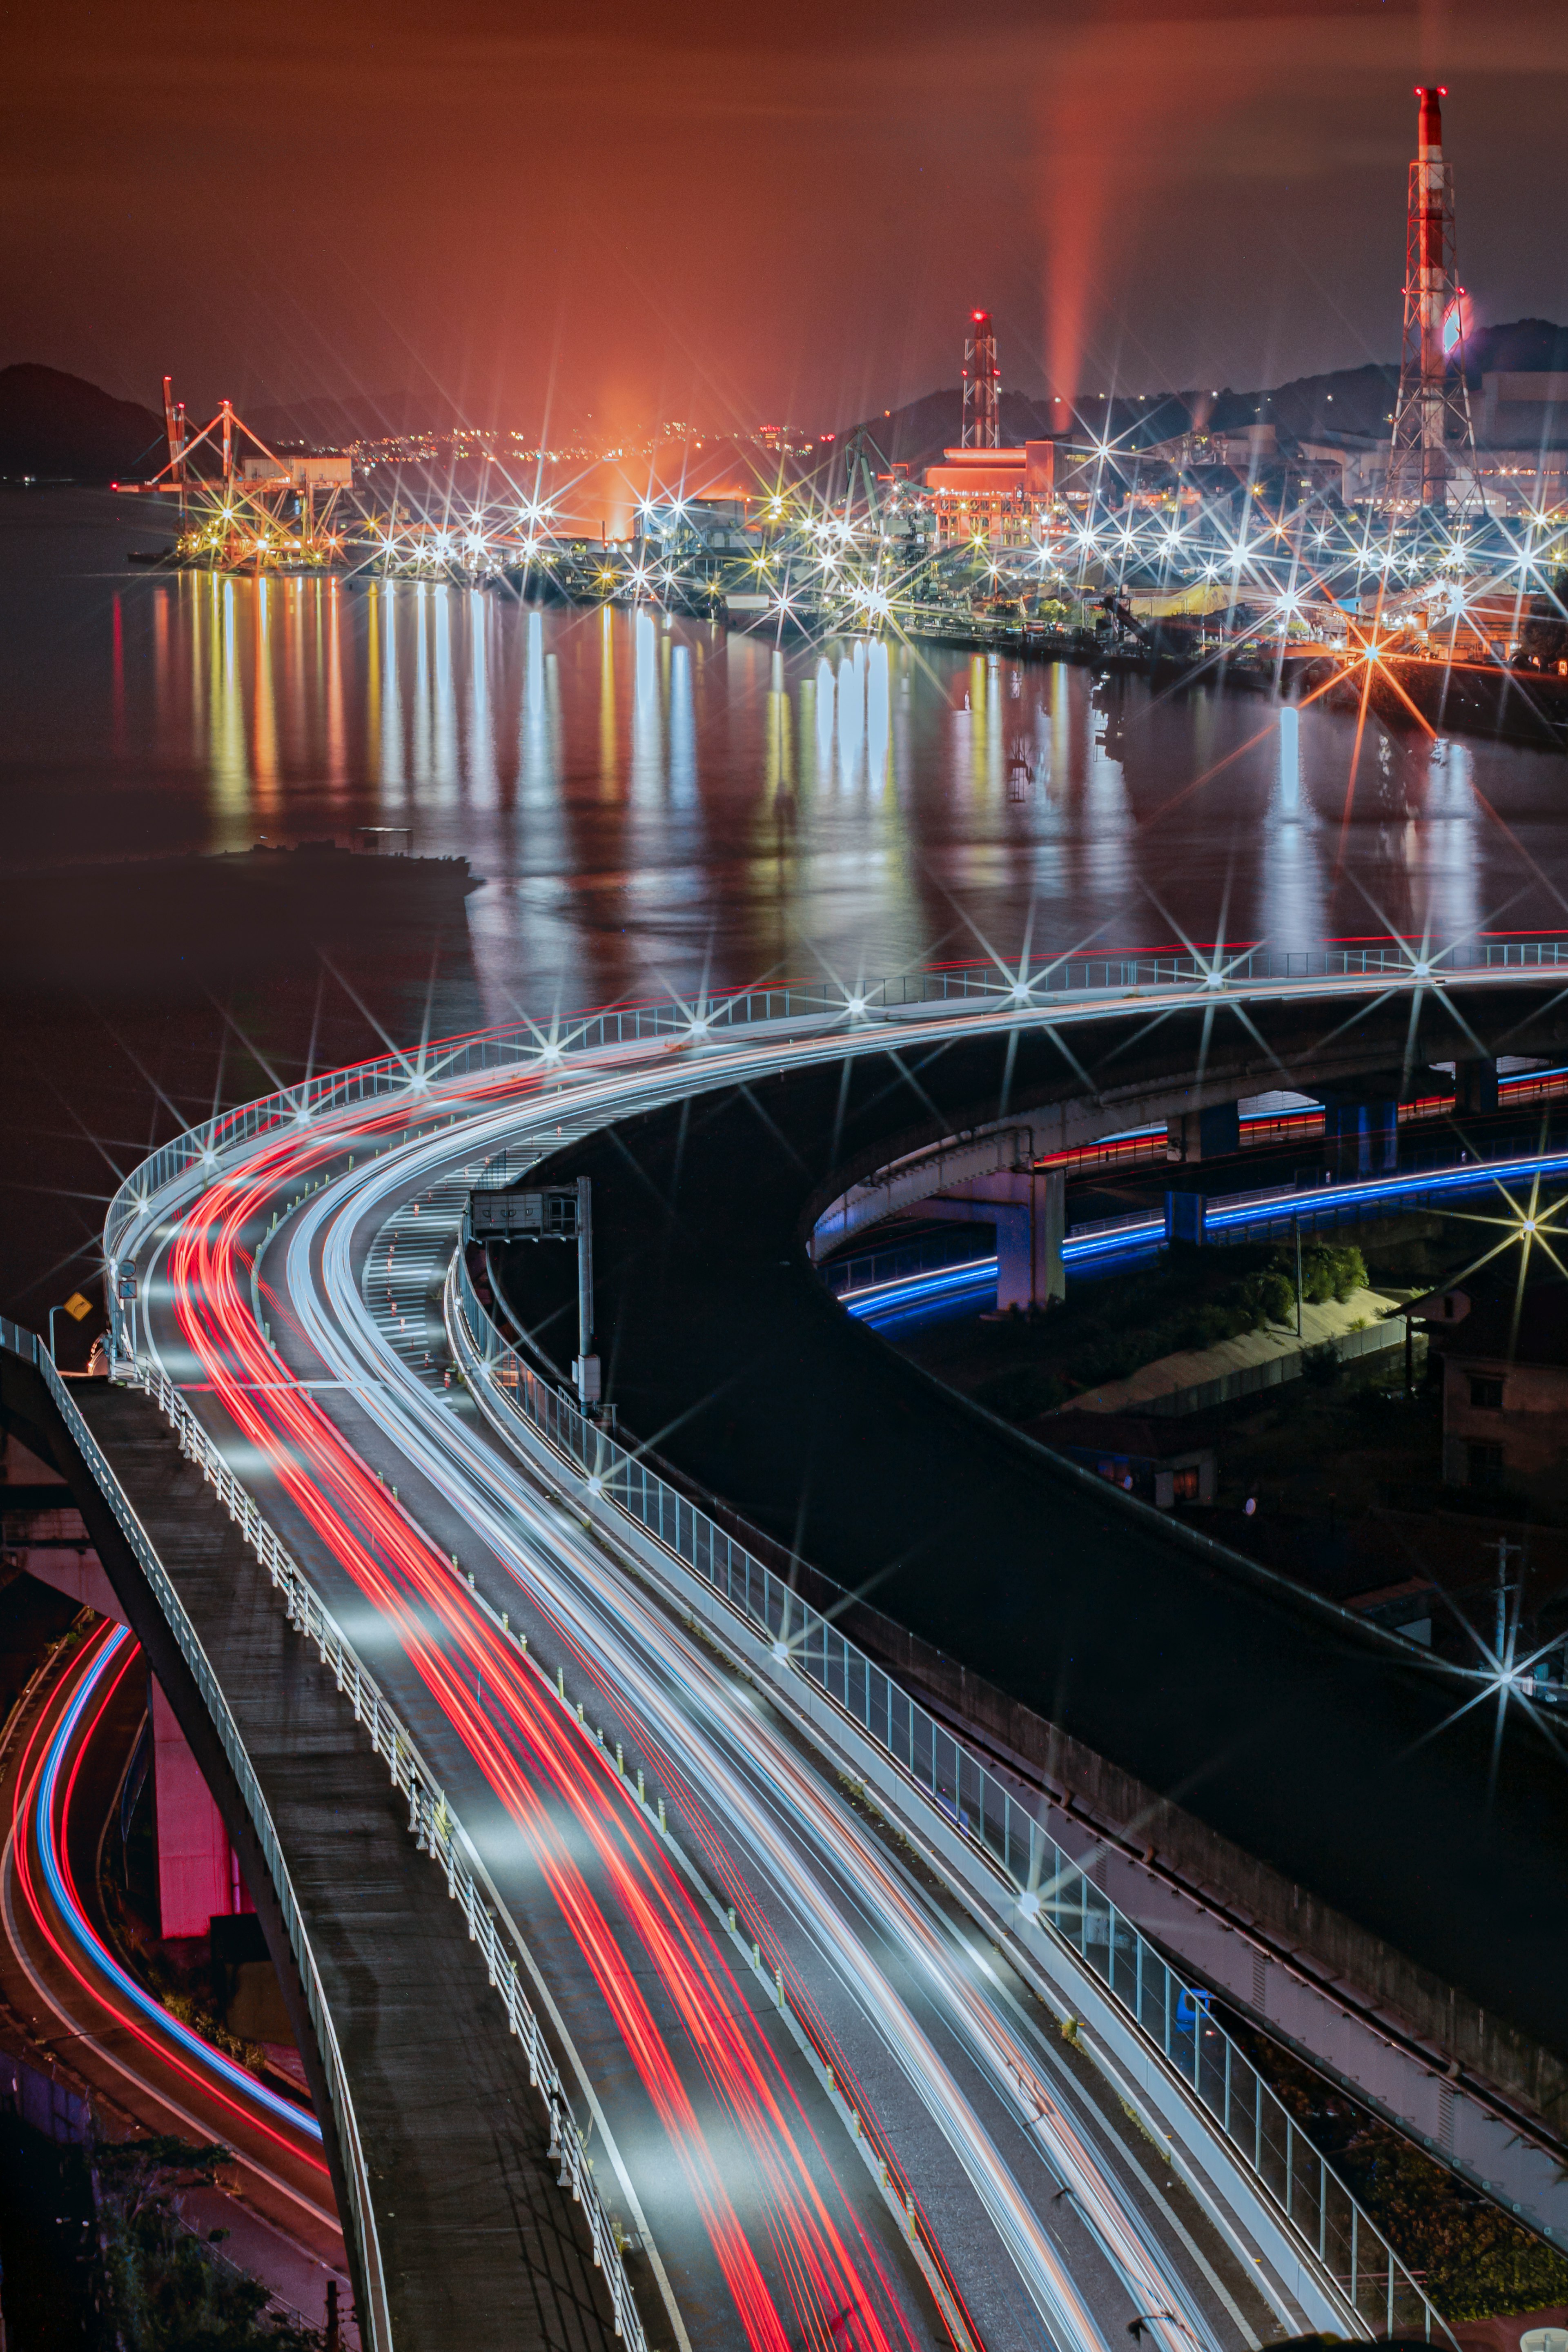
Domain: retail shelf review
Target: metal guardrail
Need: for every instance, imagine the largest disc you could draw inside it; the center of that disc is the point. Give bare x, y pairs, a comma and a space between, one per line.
1318, 2204
1243, 1217
1173, 2017
1275, 1371
376, 2324
1048, 981
432, 1824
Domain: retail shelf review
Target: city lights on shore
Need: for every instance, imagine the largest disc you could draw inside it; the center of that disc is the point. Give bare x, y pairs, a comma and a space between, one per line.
1118, 560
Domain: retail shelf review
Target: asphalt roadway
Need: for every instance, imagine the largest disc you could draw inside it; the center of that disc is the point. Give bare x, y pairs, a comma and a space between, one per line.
1308, 1742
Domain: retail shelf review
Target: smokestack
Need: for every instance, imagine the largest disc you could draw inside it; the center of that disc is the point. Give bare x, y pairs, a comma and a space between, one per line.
1430, 413
1429, 128
982, 386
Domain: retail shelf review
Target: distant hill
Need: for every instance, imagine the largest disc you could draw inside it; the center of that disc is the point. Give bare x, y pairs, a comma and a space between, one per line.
1355, 401
1349, 400
62, 428
369, 416
1528, 346
1361, 400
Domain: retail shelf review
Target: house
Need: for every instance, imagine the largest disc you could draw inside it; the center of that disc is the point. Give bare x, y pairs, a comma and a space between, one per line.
1155, 1459
1505, 1379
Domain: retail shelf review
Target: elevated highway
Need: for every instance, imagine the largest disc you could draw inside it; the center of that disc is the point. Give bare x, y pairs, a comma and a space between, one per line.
1321, 1787
882, 2137
66, 1986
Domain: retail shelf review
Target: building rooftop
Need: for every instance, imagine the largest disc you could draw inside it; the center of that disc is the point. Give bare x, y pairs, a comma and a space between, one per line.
1479, 1319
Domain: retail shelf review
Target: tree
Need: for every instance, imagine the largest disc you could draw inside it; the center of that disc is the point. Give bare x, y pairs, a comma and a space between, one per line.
166, 2289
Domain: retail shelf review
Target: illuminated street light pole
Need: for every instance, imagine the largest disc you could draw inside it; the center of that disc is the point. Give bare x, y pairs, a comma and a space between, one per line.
76, 1307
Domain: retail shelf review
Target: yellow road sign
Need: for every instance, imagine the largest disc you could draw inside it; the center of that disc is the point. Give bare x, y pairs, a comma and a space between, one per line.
77, 1306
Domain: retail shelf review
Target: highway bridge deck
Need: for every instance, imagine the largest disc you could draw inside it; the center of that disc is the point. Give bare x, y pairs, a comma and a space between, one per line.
479, 2245
1299, 1739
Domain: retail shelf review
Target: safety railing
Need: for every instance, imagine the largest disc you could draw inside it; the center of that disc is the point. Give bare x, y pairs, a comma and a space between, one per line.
375, 2322
1044, 981
432, 1824
1173, 2016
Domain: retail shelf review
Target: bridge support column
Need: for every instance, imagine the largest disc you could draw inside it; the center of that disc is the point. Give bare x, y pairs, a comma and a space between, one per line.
1184, 1214
1028, 1208
197, 1875
1211, 1134
1475, 1086
1048, 1228
1030, 1236
1361, 1132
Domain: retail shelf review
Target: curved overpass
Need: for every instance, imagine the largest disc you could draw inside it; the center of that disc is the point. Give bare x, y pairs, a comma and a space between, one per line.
1320, 1747
142, 2065
323, 1407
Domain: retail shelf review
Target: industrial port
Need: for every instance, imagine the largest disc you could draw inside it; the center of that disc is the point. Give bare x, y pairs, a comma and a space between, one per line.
1417, 568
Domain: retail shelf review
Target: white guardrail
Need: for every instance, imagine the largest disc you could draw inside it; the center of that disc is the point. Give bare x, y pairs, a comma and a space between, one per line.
1048, 982
1320, 2214
432, 1824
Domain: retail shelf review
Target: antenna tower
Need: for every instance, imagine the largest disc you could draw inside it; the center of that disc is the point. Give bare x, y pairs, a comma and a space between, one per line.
982, 386
1432, 415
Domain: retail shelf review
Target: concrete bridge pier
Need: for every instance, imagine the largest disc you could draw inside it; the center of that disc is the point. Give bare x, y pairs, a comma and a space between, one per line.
198, 1871
1475, 1085
1213, 1133
1028, 1209
1360, 1128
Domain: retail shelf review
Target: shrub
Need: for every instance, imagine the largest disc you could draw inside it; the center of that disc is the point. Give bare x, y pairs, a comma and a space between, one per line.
1279, 1297
164, 2288
1331, 1270
1475, 2262
1268, 1297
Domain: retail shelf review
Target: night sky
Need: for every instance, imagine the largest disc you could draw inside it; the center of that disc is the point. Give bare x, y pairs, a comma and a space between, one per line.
600, 214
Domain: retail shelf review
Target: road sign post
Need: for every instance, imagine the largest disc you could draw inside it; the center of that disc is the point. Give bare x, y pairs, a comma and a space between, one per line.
548, 1213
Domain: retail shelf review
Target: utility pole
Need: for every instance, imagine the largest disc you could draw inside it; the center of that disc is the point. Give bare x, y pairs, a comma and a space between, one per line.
586, 1370
1503, 1592
1295, 1223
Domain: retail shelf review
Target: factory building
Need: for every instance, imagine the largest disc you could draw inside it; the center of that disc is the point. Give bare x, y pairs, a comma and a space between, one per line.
1518, 465
680, 526
317, 470
1013, 497
1000, 496
1521, 442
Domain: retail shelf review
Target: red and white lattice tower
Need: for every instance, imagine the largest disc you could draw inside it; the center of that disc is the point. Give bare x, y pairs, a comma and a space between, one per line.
982, 386
1432, 415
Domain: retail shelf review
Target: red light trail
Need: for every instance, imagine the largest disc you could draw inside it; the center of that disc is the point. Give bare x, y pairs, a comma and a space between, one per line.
565, 1802
227, 2099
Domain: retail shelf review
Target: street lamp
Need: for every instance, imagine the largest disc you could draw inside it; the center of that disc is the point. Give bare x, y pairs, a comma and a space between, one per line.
76, 1306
